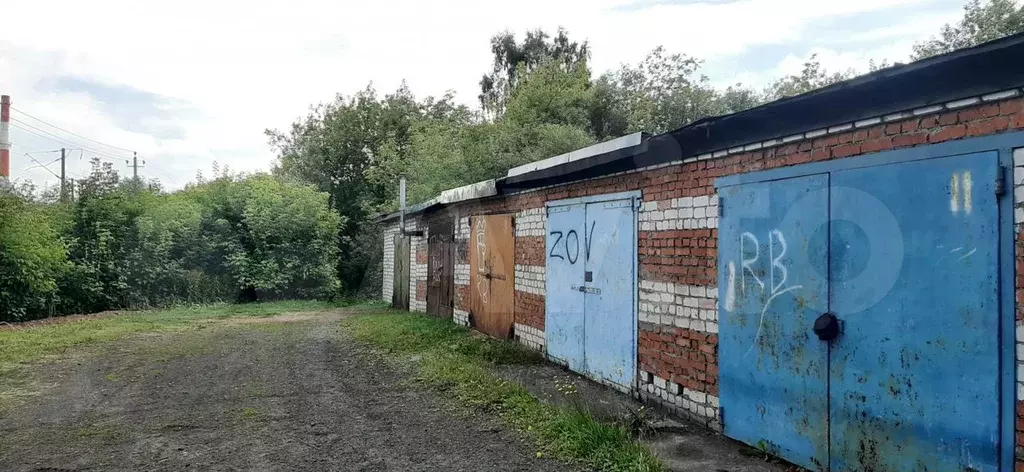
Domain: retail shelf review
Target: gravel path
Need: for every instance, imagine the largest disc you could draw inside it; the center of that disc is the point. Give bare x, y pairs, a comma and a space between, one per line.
291, 393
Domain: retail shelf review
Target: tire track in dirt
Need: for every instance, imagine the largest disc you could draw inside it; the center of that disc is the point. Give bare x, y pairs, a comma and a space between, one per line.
284, 394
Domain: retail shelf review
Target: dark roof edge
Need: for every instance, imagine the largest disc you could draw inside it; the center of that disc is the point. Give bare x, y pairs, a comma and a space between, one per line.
987, 68
597, 165
409, 211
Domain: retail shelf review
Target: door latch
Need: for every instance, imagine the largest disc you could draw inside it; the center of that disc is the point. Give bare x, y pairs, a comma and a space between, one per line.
826, 327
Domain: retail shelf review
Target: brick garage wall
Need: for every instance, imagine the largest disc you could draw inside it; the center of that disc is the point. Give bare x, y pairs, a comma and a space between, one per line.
461, 312
388, 262
417, 265
678, 237
679, 368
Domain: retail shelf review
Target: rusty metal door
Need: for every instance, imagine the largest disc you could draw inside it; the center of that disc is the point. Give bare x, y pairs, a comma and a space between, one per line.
773, 279
440, 269
860, 316
915, 372
400, 294
492, 274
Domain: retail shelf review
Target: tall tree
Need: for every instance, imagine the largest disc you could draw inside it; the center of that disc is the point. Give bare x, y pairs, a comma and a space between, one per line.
812, 77
982, 22
662, 92
512, 60
336, 147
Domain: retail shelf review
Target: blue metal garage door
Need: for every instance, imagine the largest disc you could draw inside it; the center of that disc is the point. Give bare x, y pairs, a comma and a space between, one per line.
591, 286
904, 256
609, 280
773, 284
563, 323
915, 373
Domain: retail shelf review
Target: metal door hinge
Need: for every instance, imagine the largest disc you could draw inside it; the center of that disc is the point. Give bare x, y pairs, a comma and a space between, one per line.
721, 206
1000, 180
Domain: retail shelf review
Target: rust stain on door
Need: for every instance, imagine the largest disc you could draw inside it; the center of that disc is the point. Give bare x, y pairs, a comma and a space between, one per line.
492, 274
440, 269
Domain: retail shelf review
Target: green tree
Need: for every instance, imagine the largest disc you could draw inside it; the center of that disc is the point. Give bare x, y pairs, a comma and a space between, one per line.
982, 21
291, 248
338, 148
513, 60
33, 258
812, 77
662, 92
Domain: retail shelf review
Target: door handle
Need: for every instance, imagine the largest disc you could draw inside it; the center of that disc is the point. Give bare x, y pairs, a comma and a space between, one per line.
826, 327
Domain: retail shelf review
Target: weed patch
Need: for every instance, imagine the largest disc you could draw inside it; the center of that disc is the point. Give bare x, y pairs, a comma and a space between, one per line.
458, 362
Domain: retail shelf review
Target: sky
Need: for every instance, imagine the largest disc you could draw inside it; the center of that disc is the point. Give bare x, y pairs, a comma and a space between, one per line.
188, 83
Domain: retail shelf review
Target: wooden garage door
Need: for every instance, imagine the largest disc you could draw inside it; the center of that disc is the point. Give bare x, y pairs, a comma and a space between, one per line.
440, 269
492, 274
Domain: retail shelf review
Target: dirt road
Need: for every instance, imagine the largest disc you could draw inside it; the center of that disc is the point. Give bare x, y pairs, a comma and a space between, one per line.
286, 393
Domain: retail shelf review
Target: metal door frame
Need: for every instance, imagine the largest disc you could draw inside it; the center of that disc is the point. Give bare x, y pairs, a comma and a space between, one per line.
637, 197
1004, 144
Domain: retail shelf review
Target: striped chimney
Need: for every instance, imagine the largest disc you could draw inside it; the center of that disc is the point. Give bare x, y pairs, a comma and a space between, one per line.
5, 136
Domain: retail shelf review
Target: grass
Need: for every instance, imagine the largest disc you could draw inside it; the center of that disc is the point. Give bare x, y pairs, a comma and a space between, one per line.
35, 342
457, 362
20, 348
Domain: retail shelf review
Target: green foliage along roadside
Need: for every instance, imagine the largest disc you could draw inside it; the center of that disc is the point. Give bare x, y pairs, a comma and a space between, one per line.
457, 362
126, 244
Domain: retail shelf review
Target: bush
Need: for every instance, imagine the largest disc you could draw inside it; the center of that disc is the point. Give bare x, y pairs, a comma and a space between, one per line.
127, 244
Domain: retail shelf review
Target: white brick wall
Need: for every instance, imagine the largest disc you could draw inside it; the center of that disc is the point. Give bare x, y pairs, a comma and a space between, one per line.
388, 282
698, 406
684, 306
530, 279
461, 274
529, 336
462, 229
417, 272
460, 317
680, 213
1018, 220
531, 222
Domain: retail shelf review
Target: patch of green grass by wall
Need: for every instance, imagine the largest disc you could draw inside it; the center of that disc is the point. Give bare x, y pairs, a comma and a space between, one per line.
456, 361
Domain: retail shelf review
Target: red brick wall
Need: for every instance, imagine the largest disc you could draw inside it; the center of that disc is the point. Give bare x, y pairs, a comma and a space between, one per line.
530, 309
462, 297
421, 290
684, 256
684, 356
530, 250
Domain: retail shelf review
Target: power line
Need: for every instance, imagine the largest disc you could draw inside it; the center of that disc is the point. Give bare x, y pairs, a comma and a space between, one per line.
41, 165
56, 138
71, 133
22, 125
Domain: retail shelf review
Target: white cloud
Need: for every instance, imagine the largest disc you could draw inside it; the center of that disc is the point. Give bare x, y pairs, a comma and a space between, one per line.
247, 66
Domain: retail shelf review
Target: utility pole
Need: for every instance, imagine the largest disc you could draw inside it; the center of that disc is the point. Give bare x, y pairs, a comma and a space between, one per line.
63, 176
135, 165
